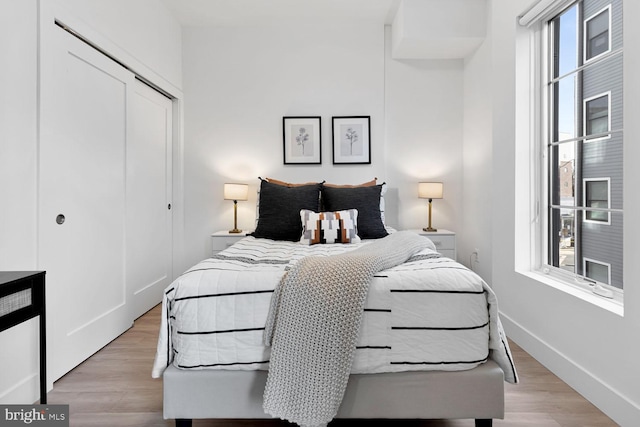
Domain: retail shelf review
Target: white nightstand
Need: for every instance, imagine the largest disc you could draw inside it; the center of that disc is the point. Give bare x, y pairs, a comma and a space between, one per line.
221, 240
445, 241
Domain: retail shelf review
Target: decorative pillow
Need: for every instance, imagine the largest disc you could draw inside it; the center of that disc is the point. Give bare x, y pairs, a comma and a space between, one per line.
329, 227
279, 210
382, 193
364, 184
367, 202
289, 184
278, 182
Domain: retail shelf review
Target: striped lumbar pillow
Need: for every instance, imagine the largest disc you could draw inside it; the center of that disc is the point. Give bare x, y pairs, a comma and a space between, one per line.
329, 227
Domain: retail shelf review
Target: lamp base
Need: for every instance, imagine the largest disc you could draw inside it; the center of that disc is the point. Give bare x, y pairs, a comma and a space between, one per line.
429, 229
235, 230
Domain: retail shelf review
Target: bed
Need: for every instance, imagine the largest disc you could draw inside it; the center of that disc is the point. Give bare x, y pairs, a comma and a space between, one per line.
429, 343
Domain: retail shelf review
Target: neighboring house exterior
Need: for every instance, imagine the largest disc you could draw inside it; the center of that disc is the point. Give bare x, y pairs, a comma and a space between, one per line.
602, 158
591, 176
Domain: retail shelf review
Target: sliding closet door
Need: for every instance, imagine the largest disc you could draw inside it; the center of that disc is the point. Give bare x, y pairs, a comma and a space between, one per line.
84, 103
149, 242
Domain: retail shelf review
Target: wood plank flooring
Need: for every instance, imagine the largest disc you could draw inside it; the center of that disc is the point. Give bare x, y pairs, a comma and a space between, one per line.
114, 388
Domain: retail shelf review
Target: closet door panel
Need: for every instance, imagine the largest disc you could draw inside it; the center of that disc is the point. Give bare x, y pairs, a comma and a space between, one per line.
149, 230
84, 103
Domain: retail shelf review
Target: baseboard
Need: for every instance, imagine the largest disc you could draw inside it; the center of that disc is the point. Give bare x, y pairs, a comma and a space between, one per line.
615, 405
24, 392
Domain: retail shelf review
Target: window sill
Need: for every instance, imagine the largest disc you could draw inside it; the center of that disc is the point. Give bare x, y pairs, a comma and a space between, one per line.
610, 305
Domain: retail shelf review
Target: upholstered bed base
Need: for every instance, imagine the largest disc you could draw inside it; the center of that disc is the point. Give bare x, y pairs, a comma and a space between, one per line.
477, 393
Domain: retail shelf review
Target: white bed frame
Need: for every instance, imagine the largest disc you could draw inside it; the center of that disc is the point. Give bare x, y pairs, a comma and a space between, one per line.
477, 394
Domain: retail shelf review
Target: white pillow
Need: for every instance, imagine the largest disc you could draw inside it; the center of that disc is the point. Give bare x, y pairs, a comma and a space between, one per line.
329, 227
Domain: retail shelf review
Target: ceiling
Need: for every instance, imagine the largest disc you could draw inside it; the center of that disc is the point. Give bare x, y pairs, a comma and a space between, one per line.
259, 12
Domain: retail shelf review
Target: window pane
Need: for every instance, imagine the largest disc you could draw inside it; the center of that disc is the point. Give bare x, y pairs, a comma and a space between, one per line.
567, 42
597, 125
595, 271
563, 240
597, 115
575, 240
597, 34
597, 196
565, 109
563, 182
603, 244
597, 190
597, 215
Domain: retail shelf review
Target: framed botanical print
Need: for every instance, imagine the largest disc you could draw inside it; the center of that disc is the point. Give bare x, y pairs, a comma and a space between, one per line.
301, 140
351, 140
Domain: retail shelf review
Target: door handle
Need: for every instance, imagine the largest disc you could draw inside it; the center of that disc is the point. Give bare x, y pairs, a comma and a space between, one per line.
60, 219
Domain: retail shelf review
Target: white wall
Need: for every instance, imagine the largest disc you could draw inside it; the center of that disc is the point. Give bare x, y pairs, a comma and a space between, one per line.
477, 190
437, 29
143, 29
18, 120
18, 142
146, 35
424, 115
241, 81
592, 349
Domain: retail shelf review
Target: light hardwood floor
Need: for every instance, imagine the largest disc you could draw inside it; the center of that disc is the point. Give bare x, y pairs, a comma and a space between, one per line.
114, 388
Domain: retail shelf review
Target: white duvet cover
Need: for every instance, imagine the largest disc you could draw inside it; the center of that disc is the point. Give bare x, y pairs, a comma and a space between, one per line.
429, 313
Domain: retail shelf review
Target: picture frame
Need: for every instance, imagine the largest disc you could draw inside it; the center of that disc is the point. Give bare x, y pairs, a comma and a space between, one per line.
301, 139
351, 139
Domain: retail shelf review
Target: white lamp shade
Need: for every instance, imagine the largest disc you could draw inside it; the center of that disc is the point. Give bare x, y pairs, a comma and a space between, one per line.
236, 191
430, 190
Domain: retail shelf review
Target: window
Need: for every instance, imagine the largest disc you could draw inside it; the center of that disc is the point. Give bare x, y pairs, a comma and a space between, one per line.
596, 195
596, 34
581, 176
596, 112
598, 271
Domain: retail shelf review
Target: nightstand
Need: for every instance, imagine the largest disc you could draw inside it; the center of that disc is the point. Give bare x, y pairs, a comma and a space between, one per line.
445, 241
221, 240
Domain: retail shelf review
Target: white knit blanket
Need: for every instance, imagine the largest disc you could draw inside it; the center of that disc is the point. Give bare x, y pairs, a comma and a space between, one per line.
313, 326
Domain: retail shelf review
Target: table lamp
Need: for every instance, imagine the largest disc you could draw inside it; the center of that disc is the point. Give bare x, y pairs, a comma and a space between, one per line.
235, 192
430, 190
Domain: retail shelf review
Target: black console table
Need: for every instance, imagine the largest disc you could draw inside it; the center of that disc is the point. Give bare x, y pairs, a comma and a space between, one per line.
21, 299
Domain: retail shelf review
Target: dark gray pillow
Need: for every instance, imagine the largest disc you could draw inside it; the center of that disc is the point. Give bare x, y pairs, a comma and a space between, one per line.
366, 200
279, 210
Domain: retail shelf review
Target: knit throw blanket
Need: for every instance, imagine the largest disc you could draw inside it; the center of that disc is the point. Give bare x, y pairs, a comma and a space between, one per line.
313, 326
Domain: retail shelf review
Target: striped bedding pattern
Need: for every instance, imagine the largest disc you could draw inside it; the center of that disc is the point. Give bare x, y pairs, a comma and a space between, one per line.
429, 313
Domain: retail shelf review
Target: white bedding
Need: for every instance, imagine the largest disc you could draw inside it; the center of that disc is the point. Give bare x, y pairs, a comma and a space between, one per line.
429, 313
